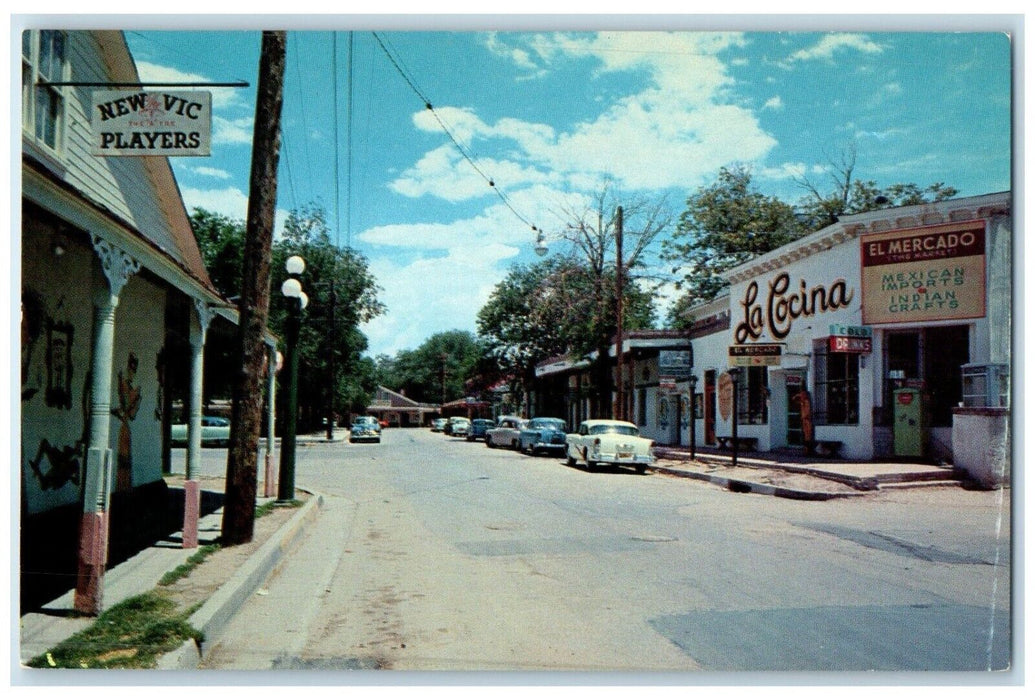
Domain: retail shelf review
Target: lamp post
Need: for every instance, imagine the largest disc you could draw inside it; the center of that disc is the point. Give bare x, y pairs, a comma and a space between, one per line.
735, 377
296, 302
693, 415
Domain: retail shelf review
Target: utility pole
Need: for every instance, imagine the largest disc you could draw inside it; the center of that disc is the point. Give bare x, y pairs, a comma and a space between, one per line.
246, 408
619, 408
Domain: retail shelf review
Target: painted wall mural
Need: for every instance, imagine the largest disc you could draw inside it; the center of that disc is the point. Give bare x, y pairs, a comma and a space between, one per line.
126, 412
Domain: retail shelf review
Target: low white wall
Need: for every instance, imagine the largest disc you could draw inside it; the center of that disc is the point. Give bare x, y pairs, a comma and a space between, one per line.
981, 444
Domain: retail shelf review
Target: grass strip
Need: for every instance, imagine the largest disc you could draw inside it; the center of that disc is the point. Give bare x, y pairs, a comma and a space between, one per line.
131, 634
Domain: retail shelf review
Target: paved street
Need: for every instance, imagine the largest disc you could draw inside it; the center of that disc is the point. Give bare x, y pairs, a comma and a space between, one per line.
436, 554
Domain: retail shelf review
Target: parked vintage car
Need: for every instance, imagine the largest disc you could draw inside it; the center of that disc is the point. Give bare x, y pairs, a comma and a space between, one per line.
610, 442
543, 434
438, 425
365, 428
215, 430
458, 427
479, 426
506, 432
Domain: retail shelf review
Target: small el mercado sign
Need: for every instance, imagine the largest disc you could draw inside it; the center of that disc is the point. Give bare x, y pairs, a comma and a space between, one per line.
756, 355
141, 123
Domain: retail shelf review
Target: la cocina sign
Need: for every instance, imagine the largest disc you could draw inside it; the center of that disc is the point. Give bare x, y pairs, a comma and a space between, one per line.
782, 306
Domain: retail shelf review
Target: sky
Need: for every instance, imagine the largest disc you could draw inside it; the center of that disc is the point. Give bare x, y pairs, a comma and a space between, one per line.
550, 116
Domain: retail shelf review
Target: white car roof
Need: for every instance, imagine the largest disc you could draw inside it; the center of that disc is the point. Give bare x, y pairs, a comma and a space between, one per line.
604, 421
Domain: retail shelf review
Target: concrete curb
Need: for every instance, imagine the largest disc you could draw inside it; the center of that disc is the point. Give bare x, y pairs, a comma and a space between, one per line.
742, 486
213, 616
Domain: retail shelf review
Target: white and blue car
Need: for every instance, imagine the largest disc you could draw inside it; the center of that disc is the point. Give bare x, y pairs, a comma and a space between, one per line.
543, 435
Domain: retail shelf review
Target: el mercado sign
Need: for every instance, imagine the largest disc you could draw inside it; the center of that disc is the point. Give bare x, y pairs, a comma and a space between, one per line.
141, 123
924, 274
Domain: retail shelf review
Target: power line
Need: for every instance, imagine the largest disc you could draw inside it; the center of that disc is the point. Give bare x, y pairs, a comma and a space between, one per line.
460, 147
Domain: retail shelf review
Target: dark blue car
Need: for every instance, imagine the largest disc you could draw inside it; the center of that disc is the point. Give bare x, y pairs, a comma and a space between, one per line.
478, 428
543, 435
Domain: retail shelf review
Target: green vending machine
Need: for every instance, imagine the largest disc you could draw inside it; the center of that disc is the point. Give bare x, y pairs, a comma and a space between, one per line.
910, 423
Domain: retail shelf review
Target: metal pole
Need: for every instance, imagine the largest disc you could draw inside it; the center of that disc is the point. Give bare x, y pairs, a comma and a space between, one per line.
735, 375
331, 382
286, 482
693, 415
619, 412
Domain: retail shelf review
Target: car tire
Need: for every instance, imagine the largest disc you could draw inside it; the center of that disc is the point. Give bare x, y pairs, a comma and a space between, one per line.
569, 460
640, 469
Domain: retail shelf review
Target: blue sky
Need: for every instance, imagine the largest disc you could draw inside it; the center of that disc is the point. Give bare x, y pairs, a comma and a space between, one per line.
551, 115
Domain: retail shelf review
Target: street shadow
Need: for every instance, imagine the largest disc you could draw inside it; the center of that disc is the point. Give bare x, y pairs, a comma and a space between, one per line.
148, 516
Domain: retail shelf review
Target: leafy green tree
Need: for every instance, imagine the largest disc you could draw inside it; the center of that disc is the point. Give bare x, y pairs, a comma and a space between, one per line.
221, 242
436, 372
724, 224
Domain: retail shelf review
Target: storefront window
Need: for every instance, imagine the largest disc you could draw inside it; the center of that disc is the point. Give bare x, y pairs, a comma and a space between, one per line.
753, 396
837, 386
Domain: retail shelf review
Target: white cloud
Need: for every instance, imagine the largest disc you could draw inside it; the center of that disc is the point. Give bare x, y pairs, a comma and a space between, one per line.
236, 131
672, 133
222, 98
229, 201
775, 103
217, 173
830, 44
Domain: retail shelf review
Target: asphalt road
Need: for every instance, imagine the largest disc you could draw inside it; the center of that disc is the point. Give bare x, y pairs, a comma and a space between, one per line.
433, 553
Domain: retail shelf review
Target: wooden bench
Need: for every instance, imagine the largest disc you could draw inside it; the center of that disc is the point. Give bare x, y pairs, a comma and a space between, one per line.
744, 443
830, 448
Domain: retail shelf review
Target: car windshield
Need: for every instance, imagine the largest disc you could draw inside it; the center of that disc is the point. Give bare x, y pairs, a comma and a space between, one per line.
549, 423
612, 429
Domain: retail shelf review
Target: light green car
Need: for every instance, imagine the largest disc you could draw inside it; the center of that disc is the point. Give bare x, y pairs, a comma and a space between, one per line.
214, 431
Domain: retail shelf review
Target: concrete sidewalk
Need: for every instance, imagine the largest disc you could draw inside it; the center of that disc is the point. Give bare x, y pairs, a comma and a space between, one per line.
821, 478
56, 621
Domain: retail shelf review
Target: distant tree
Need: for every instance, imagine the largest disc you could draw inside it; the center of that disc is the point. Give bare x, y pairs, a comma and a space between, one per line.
724, 224
436, 372
592, 323
848, 195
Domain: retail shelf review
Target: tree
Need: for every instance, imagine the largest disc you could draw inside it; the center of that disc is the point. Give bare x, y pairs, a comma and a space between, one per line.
592, 235
221, 242
437, 371
527, 317
848, 195
342, 295
724, 224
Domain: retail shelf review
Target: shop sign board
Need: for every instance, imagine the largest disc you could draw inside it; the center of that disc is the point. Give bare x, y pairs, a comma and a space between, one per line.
931, 273
756, 355
847, 343
675, 363
851, 331
143, 123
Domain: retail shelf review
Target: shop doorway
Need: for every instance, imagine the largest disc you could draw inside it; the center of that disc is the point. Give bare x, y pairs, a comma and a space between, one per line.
794, 382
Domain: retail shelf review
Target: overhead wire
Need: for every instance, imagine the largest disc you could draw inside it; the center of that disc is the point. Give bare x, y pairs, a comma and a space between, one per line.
396, 63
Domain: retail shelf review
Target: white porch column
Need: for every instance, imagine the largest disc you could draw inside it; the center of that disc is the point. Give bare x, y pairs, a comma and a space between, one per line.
191, 487
118, 266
